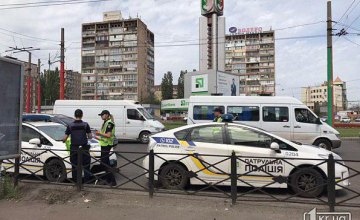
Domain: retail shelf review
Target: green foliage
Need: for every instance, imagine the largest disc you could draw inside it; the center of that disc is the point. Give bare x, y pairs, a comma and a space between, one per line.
7, 188
181, 84
50, 84
167, 86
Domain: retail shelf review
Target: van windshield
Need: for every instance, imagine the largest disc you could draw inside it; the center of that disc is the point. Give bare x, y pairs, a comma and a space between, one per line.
145, 113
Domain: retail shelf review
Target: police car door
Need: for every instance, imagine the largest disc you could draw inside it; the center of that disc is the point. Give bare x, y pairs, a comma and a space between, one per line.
255, 160
209, 140
32, 154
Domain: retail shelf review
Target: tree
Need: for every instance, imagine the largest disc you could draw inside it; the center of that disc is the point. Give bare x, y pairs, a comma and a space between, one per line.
180, 88
167, 86
50, 86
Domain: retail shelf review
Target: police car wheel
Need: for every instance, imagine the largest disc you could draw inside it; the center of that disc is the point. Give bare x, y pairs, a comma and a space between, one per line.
144, 137
323, 143
307, 182
55, 171
173, 176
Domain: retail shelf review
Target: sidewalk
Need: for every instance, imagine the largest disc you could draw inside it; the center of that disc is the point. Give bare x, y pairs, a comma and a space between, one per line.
44, 202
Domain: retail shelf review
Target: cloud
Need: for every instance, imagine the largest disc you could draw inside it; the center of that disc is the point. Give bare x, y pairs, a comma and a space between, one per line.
299, 62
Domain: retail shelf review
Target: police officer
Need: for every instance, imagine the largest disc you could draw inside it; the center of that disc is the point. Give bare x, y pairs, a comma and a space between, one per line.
217, 114
106, 137
80, 133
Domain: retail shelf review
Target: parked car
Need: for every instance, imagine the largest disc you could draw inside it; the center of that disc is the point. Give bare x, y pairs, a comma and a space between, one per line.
55, 163
345, 119
210, 143
58, 118
357, 120
324, 118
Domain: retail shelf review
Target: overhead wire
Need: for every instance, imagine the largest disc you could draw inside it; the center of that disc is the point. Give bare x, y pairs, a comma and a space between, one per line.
55, 4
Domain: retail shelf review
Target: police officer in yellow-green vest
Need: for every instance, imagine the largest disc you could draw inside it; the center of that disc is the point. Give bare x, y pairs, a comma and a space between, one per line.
106, 138
217, 114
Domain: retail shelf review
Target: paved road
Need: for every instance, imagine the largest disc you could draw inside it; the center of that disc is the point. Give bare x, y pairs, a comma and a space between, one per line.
350, 150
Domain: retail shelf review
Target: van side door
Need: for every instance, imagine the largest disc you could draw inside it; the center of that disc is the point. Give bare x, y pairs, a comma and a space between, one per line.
306, 130
276, 120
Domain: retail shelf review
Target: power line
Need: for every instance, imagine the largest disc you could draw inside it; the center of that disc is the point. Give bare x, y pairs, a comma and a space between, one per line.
30, 37
351, 41
34, 3
56, 4
300, 25
346, 11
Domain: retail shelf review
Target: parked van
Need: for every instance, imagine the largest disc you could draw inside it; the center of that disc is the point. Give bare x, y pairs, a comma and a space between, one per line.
286, 117
132, 121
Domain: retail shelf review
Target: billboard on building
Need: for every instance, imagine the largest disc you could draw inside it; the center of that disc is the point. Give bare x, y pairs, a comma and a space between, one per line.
175, 104
199, 84
11, 84
212, 6
228, 84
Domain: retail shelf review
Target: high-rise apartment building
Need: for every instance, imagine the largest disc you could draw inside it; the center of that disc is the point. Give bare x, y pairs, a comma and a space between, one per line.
250, 53
72, 85
117, 59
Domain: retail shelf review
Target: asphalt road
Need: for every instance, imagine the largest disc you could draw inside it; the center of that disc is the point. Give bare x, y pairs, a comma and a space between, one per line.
350, 150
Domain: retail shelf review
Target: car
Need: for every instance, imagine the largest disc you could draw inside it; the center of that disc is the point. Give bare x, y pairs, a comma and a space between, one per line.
357, 120
345, 119
44, 153
58, 118
186, 154
324, 118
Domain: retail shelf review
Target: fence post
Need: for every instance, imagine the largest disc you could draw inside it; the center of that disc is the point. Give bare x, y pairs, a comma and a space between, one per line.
151, 173
16, 173
331, 183
233, 177
79, 169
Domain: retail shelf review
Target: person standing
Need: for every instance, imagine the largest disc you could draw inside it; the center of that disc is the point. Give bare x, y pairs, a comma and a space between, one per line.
233, 88
217, 114
106, 138
79, 132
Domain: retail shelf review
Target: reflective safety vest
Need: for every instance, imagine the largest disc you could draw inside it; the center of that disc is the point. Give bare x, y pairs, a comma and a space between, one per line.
217, 119
104, 141
68, 143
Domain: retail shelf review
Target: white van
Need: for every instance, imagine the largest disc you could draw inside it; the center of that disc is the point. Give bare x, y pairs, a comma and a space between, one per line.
132, 121
286, 117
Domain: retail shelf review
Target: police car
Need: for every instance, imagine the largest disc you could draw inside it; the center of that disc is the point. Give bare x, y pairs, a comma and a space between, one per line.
184, 155
54, 164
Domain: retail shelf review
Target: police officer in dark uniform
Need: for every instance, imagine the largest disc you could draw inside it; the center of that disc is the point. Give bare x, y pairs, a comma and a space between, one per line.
79, 132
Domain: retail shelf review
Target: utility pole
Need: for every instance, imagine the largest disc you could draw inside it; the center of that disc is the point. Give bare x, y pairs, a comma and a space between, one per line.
62, 61
329, 67
39, 90
28, 83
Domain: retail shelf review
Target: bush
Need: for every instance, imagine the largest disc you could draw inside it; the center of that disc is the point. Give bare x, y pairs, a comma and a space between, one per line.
7, 188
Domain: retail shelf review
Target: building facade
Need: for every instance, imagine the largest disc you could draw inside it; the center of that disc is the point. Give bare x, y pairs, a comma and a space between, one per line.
314, 96
72, 85
158, 92
117, 59
250, 53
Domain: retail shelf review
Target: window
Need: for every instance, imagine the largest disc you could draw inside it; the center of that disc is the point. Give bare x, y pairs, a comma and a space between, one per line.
247, 137
205, 112
303, 115
29, 133
208, 134
133, 114
181, 135
275, 114
244, 113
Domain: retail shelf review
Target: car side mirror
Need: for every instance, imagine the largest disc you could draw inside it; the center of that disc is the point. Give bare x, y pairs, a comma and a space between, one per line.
35, 141
274, 146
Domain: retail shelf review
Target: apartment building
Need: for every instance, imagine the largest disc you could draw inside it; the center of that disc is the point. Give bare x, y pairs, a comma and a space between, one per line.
313, 95
72, 85
117, 59
250, 53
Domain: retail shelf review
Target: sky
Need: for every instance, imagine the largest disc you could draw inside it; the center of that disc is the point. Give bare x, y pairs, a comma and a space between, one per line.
299, 62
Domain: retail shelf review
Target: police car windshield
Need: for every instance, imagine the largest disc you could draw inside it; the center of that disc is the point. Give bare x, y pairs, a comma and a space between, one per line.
145, 113
56, 132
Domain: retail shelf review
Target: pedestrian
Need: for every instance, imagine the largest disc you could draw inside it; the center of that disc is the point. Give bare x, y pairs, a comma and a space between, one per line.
217, 114
79, 132
106, 138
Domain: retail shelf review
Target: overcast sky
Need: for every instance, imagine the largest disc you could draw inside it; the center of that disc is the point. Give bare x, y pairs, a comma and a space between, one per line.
299, 62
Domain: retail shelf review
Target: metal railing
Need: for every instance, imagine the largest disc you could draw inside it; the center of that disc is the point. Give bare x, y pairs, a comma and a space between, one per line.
228, 181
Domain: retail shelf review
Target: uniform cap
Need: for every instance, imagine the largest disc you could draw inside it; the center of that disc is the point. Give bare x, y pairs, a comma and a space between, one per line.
104, 112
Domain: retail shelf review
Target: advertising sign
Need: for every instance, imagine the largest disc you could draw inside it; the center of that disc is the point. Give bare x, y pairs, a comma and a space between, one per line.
228, 84
199, 84
212, 6
175, 104
11, 84
251, 30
